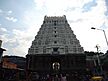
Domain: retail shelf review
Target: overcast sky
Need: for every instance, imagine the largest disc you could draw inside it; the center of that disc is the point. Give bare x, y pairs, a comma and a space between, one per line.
20, 21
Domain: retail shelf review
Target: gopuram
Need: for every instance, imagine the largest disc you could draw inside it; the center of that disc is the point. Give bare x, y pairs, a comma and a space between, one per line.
55, 53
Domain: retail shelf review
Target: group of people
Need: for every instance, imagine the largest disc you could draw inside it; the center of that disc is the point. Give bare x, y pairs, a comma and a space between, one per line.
48, 77
60, 77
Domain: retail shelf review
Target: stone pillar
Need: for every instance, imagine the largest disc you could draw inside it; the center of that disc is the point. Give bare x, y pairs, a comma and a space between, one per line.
0, 43
1, 50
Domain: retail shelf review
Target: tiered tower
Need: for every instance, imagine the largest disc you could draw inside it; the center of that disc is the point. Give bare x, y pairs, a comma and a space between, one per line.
55, 37
55, 51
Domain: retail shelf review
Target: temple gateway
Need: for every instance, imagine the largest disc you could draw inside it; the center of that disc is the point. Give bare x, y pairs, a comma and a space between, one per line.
56, 52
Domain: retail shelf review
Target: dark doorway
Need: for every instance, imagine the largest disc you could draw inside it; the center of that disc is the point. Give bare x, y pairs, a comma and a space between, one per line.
55, 49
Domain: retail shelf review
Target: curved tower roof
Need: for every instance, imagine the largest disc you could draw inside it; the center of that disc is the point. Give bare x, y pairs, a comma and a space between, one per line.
55, 37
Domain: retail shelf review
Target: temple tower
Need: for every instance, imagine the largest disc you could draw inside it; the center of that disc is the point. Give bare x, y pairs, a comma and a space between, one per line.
56, 50
55, 37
